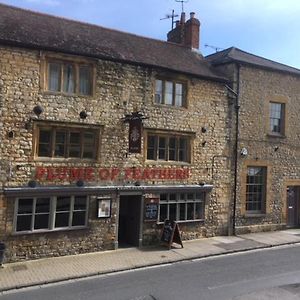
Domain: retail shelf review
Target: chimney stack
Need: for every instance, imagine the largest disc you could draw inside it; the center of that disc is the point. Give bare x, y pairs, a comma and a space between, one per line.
186, 33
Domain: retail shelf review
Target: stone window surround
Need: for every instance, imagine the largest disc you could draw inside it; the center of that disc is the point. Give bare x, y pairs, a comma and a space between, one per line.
178, 201
52, 213
174, 79
47, 57
280, 99
268, 197
37, 124
170, 133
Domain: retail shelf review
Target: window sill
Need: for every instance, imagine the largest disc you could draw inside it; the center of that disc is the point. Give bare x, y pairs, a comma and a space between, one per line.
184, 221
43, 231
171, 106
258, 215
65, 160
66, 94
274, 135
169, 163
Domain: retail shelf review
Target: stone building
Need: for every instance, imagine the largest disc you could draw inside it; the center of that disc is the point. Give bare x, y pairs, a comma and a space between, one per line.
106, 134
265, 122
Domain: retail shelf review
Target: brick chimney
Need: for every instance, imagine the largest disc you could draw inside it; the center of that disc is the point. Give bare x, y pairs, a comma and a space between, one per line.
186, 33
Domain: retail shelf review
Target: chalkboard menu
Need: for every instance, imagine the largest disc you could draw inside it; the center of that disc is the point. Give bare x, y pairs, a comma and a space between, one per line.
170, 234
151, 209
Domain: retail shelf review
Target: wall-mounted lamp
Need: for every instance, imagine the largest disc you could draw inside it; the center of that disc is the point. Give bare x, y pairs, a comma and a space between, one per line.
38, 110
83, 114
276, 148
10, 134
80, 183
203, 129
32, 183
244, 152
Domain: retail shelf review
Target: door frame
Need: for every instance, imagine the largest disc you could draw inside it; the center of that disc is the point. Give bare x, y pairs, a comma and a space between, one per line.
140, 235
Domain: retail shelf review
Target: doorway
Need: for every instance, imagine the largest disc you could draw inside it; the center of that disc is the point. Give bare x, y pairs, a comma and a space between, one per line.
293, 206
129, 220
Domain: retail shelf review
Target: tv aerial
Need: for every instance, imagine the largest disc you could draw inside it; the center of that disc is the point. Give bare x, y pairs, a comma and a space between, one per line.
170, 16
217, 49
182, 2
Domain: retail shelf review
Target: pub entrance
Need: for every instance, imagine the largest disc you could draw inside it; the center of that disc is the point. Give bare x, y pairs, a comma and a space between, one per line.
293, 206
129, 220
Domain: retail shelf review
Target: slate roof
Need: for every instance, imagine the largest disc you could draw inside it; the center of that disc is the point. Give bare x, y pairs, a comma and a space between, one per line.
20, 27
236, 55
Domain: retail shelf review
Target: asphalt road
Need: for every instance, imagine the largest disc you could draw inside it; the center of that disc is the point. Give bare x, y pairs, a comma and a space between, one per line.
265, 274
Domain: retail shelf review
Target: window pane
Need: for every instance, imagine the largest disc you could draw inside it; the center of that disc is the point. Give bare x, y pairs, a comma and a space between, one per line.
151, 149
163, 212
178, 94
23, 223
74, 147
172, 211
62, 219
190, 211
60, 143
54, 76
172, 148
89, 145
78, 218
80, 203
42, 205
158, 91
169, 92
182, 149
44, 143
63, 203
199, 210
25, 206
85, 80
162, 148
182, 209
276, 117
69, 79
41, 221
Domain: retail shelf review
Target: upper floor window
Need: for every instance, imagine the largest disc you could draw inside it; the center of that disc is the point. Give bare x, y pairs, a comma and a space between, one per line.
170, 92
67, 142
256, 189
168, 148
69, 77
277, 113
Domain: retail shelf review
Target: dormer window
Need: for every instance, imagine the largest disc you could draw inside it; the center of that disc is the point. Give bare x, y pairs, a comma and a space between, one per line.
170, 92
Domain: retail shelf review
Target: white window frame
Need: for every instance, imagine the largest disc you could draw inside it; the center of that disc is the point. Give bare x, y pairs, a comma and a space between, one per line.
178, 201
52, 215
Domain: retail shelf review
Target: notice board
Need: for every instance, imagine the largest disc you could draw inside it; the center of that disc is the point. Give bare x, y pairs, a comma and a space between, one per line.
170, 234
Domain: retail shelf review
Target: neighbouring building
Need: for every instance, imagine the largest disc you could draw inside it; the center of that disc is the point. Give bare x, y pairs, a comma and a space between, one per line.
106, 134
265, 121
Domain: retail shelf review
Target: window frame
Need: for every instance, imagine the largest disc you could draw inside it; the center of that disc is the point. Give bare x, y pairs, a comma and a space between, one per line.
52, 214
168, 136
178, 200
282, 118
64, 60
53, 128
255, 187
175, 82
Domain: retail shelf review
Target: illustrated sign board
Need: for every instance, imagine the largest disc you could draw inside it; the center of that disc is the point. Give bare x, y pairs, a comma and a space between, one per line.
109, 174
170, 234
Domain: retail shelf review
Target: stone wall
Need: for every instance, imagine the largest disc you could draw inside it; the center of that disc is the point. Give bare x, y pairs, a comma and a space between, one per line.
120, 89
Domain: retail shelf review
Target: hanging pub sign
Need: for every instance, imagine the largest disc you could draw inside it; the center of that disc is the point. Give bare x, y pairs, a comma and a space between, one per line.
135, 135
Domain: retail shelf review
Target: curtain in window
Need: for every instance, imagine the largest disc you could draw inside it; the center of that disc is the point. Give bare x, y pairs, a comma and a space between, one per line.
54, 77
69, 79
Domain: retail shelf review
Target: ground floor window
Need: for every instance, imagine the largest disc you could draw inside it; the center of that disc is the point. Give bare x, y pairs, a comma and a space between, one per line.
50, 213
256, 189
182, 207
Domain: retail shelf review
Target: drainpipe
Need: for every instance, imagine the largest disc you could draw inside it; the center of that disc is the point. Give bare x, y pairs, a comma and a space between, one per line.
236, 152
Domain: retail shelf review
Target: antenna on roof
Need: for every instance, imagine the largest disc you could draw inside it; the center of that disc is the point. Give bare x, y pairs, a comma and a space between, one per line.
172, 16
217, 49
182, 1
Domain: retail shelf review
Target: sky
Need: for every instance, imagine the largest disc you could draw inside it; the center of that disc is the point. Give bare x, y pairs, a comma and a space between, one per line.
268, 28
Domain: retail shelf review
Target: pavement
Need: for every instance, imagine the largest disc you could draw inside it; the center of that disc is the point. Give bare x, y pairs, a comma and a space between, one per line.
50, 270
